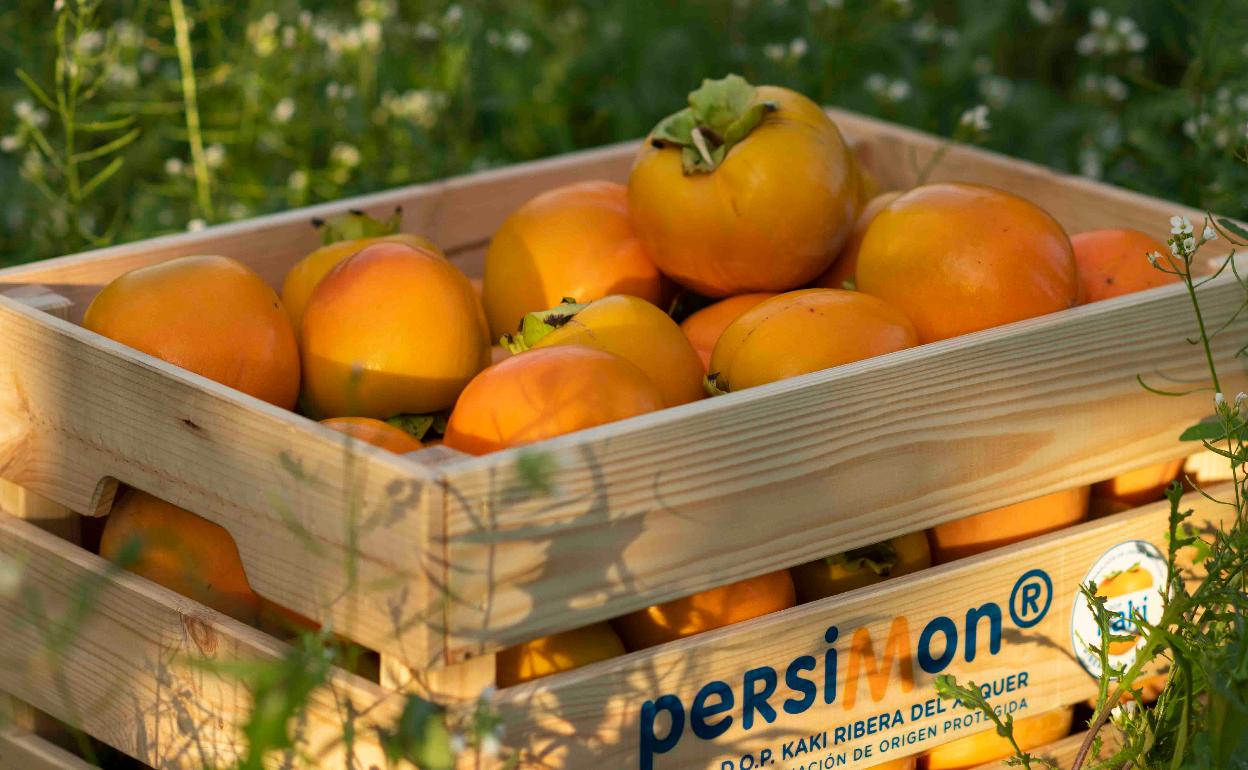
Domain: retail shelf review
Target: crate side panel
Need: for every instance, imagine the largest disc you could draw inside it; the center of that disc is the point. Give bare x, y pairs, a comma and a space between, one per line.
686, 499
1002, 619
132, 664
325, 525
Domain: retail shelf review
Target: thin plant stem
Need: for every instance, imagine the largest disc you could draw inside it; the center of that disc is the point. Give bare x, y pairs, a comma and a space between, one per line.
182, 38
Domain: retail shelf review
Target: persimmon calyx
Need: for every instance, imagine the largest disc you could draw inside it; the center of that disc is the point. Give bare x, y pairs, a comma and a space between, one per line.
720, 114
880, 558
534, 326
355, 224
715, 385
419, 425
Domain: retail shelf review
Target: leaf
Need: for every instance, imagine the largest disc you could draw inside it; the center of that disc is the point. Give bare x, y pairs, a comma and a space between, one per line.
105, 125
1212, 429
1233, 227
35, 89
421, 736
107, 148
105, 174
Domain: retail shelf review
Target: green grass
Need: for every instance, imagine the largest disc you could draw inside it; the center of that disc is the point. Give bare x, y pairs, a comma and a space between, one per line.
303, 102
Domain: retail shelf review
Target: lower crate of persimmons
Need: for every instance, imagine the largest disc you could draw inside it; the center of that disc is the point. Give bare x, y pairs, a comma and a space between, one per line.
698, 461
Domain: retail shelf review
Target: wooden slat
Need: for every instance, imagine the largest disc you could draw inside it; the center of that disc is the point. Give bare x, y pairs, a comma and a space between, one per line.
134, 669
1061, 752
327, 526
459, 214
22, 750
591, 717
681, 500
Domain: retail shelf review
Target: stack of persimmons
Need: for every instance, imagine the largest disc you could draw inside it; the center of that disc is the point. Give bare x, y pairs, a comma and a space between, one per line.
747, 205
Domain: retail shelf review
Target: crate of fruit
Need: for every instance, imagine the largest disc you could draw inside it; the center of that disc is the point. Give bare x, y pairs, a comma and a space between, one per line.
457, 428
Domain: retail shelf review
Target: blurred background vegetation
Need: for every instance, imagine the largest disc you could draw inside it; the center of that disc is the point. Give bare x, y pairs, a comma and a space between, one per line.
192, 112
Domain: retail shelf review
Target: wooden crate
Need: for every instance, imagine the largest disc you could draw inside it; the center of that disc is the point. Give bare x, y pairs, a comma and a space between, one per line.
438, 564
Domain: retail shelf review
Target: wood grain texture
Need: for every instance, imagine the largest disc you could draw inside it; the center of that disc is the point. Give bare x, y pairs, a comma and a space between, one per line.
681, 500
327, 526
135, 669
1062, 752
646, 510
592, 717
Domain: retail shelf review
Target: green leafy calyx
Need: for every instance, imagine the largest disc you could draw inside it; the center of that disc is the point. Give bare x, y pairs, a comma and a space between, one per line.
355, 224
535, 326
720, 114
880, 558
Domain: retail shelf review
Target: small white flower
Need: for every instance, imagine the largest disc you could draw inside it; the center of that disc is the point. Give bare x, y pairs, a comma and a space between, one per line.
1087, 44
1099, 18
298, 180
1042, 12
898, 90
1136, 42
332, 89
344, 154
195, 225
1189, 244
518, 41
1209, 234
976, 118
10, 143
491, 746
1114, 88
290, 36
1090, 163
1153, 257
458, 744
797, 47
174, 166
284, 110
1180, 225
1124, 26
1240, 397
774, 51
24, 109
214, 155
1219, 400
454, 14
876, 83
305, 19
425, 31
370, 31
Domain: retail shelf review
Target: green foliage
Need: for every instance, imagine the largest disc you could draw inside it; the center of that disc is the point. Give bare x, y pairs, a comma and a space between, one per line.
206, 111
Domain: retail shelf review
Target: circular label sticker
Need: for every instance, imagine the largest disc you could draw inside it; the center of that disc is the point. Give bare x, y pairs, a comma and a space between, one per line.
1131, 577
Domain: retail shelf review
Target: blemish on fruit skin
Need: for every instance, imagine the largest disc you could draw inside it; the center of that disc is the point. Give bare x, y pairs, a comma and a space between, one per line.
188, 422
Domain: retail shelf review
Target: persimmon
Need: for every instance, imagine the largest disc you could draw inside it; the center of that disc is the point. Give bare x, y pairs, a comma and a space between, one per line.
1114, 262
716, 608
704, 327
805, 331
553, 654
210, 315
632, 328
1139, 486
986, 746
344, 236
544, 393
181, 551
905, 763
992, 529
391, 330
860, 567
747, 189
958, 258
375, 432
573, 241
841, 275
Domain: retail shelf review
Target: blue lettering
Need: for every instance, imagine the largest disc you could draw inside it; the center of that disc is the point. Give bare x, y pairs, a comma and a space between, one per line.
651, 744
793, 679
700, 711
753, 699
993, 612
943, 625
